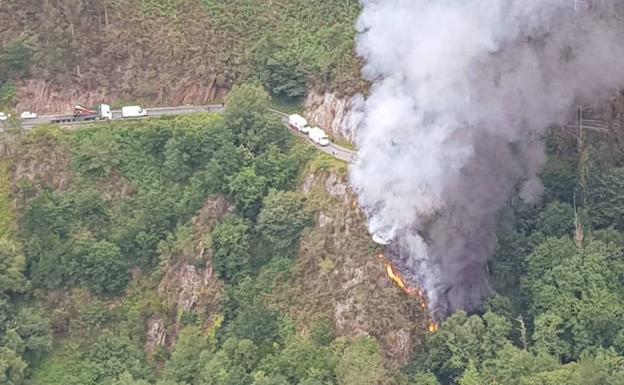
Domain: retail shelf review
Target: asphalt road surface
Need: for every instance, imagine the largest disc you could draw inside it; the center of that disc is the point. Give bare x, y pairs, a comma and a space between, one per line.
28, 124
332, 149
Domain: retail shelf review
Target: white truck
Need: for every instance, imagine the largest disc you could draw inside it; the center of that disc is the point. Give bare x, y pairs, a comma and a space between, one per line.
132, 112
299, 123
318, 136
84, 114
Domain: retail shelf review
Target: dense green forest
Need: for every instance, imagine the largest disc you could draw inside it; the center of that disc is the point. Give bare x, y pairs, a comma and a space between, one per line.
86, 241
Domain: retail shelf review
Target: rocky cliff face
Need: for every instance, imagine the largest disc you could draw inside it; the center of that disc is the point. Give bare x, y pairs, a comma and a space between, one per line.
189, 285
332, 113
340, 277
50, 97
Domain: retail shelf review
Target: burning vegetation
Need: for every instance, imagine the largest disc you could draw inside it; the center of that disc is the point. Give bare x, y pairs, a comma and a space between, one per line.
412, 291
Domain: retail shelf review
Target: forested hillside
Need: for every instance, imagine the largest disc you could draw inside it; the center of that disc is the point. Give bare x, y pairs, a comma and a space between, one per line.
56, 53
207, 249
219, 250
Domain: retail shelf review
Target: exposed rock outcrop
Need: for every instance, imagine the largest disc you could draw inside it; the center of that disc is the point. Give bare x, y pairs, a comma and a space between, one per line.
47, 97
332, 113
189, 285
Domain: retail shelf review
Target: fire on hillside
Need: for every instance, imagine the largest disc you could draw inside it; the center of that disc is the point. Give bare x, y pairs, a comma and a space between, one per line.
416, 292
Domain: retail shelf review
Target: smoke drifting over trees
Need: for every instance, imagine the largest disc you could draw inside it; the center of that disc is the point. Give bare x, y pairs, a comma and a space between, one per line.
462, 90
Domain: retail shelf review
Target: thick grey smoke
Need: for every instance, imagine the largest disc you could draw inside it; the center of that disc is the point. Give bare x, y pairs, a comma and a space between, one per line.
462, 90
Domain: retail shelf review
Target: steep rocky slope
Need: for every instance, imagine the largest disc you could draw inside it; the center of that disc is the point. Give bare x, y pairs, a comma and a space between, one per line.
174, 52
334, 112
335, 274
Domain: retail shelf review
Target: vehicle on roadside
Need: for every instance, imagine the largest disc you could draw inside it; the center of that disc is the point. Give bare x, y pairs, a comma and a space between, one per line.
84, 114
132, 112
299, 123
28, 115
103, 111
318, 136
4, 117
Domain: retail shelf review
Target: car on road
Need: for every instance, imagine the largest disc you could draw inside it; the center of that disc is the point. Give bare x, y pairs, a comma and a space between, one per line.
3, 117
28, 115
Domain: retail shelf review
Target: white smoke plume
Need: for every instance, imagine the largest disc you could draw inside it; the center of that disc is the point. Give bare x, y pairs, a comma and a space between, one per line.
461, 92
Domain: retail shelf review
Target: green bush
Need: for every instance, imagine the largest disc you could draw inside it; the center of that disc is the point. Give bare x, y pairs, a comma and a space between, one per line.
281, 221
8, 95
231, 249
16, 59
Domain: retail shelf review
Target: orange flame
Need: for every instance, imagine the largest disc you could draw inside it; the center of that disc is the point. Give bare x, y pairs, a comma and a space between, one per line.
398, 280
395, 277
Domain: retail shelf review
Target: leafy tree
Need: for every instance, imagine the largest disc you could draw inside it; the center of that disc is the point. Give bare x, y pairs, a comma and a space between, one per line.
184, 367
279, 73
257, 324
606, 200
100, 266
424, 378
360, 364
12, 367
33, 332
111, 357
248, 117
463, 340
231, 249
322, 333
282, 219
556, 220
12, 267
559, 177
300, 359
280, 169
127, 379
97, 156
8, 94
576, 294
16, 59
247, 189
232, 365
262, 379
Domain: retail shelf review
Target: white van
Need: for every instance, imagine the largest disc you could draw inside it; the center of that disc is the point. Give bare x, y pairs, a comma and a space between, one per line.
28, 115
132, 112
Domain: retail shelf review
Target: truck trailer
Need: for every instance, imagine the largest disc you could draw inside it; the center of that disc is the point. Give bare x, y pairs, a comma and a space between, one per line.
132, 112
299, 123
83, 114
